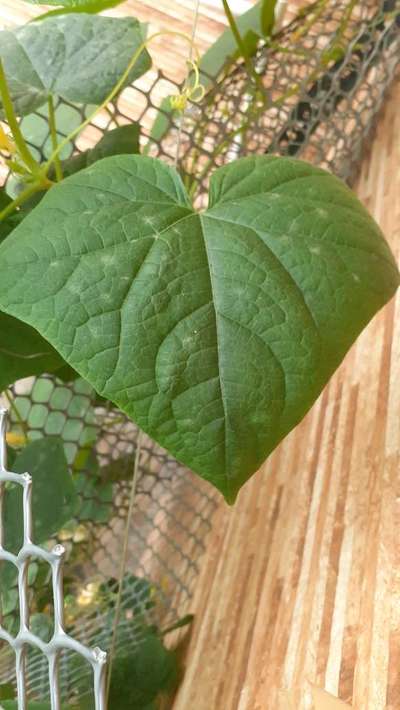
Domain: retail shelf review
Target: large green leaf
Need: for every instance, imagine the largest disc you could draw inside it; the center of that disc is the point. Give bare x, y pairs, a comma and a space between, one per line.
23, 352
79, 57
214, 331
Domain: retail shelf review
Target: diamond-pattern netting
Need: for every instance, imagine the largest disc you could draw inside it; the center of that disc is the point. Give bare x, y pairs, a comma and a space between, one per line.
321, 81
171, 519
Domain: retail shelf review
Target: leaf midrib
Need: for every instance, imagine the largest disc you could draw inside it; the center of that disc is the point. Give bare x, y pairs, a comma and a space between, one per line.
220, 369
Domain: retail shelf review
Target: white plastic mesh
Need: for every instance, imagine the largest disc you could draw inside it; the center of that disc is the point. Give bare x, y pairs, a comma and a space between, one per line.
60, 640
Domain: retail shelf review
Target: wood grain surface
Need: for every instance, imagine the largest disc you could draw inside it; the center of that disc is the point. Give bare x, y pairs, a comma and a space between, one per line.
301, 580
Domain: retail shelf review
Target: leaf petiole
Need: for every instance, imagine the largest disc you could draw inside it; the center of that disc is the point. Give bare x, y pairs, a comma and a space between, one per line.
53, 136
23, 196
239, 41
19, 139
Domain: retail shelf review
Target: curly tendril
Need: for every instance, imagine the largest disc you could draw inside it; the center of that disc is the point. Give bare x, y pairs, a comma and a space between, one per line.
192, 92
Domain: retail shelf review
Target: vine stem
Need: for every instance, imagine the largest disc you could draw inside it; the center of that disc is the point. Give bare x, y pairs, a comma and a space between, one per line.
239, 41
53, 136
315, 13
182, 116
19, 139
23, 196
123, 560
313, 76
346, 17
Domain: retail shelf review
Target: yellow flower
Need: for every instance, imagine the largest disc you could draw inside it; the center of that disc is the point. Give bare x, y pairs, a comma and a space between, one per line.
16, 440
5, 142
88, 594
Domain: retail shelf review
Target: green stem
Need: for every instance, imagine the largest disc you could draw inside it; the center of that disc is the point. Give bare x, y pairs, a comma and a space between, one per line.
241, 129
239, 41
19, 139
345, 19
315, 13
22, 197
53, 136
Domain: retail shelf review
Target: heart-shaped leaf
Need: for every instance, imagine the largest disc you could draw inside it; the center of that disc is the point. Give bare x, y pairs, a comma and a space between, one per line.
215, 331
79, 57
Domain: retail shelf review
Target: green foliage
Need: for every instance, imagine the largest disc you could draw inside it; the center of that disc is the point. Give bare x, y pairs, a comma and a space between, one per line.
225, 47
53, 492
95, 496
96, 52
215, 331
123, 140
53, 504
23, 352
140, 676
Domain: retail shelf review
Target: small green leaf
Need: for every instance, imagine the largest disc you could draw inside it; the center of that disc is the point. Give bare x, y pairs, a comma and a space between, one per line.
53, 501
215, 331
119, 141
53, 492
267, 16
79, 57
23, 352
138, 678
